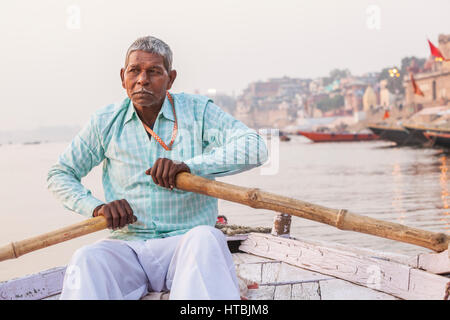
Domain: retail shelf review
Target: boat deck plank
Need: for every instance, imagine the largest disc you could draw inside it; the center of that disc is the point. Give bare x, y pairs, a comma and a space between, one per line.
438, 263
282, 281
338, 289
306, 291
33, 287
391, 277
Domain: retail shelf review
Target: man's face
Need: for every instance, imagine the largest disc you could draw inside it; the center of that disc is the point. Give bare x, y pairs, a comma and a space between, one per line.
145, 79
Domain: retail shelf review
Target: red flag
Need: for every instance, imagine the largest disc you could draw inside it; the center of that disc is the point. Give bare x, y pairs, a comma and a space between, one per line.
222, 220
386, 115
435, 52
415, 86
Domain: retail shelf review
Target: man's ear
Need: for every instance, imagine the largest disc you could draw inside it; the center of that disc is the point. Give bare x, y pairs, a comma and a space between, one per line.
122, 77
172, 77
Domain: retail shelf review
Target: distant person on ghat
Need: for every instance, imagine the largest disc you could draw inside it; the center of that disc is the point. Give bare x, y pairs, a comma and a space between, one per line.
162, 238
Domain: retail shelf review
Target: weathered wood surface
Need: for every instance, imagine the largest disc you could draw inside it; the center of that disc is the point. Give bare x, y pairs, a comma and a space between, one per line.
34, 287
438, 263
372, 271
281, 281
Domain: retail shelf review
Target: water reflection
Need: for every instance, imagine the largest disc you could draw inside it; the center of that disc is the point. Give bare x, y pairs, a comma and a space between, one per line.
444, 192
397, 199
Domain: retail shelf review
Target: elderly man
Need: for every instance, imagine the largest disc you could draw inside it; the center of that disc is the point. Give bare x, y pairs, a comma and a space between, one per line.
162, 238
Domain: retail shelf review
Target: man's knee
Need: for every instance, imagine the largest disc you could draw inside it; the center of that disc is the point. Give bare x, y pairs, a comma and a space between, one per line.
89, 255
204, 236
205, 232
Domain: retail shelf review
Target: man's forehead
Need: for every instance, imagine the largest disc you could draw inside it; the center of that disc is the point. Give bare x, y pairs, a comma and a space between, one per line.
143, 57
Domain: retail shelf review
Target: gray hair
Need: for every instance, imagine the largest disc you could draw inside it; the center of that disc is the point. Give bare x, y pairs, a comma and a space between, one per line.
152, 45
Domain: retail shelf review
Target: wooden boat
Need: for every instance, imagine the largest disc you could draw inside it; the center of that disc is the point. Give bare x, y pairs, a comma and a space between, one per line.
399, 135
277, 266
337, 137
417, 132
438, 138
422, 128
286, 268
283, 136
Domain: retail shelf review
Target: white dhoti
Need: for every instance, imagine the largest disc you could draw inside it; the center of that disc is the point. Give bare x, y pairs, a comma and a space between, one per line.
196, 265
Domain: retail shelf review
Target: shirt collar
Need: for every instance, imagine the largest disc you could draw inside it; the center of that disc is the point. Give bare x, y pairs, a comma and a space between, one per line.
130, 111
166, 110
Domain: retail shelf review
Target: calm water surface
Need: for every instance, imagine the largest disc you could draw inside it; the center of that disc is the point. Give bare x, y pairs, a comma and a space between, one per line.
404, 185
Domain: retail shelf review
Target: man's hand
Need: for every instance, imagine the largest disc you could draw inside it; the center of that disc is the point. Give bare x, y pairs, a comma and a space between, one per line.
165, 170
117, 213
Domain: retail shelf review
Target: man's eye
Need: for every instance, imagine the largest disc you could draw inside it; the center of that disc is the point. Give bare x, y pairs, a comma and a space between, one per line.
132, 70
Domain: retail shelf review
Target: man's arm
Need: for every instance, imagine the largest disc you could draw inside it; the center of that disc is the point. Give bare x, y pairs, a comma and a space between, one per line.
230, 146
64, 178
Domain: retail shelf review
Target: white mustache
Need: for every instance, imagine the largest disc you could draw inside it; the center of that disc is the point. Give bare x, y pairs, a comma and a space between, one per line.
143, 90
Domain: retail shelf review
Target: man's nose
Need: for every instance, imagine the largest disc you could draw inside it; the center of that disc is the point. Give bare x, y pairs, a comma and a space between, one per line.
143, 79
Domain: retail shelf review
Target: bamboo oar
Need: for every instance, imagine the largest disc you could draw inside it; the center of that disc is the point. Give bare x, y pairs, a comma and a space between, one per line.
255, 198
16, 249
341, 219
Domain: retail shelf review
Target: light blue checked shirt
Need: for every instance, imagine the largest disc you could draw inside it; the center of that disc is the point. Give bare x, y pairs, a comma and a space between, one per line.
210, 141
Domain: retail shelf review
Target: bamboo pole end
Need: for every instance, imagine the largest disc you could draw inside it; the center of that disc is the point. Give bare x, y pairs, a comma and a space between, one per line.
441, 241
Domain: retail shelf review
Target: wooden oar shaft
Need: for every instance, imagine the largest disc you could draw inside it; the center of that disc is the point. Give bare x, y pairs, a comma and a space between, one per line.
16, 249
254, 198
341, 219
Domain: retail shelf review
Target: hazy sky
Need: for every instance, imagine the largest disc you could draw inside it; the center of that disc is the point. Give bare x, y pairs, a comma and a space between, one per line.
60, 60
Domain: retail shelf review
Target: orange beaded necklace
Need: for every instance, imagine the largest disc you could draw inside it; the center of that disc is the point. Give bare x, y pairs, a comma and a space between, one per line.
175, 127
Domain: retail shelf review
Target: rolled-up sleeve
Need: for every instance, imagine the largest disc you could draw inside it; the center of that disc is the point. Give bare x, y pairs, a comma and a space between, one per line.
64, 177
230, 146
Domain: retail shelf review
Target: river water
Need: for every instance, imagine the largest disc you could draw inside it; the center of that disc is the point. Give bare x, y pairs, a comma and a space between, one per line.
403, 185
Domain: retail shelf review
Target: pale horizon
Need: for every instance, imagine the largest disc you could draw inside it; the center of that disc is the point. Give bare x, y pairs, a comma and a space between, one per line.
71, 66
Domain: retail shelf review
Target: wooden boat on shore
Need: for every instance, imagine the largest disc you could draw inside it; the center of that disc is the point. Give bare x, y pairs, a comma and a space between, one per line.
397, 134
277, 266
337, 137
439, 139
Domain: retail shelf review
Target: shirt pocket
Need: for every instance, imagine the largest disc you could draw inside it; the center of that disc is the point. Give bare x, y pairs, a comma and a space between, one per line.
125, 163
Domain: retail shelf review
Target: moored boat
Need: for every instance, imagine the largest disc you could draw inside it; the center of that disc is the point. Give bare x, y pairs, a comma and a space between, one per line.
417, 132
397, 134
439, 139
424, 128
337, 137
